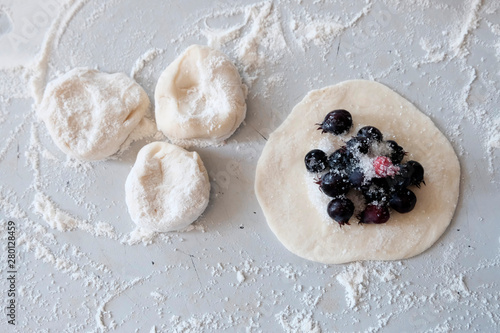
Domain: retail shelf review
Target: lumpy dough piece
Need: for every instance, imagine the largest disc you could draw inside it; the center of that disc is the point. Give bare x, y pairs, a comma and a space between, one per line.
167, 189
89, 114
296, 210
199, 98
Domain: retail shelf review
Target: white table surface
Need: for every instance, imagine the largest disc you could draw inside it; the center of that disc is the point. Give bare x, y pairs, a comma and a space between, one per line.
75, 281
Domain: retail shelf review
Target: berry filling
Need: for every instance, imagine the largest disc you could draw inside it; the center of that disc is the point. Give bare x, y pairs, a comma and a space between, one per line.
374, 214
315, 160
384, 167
334, 184
341, 210
366, 164
336, 122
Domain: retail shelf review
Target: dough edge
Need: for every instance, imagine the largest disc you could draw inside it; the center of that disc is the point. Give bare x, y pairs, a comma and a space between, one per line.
315, 242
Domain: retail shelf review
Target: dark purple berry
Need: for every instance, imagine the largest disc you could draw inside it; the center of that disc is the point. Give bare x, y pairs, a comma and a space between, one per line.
357, 144
356, 177
402, 179
315, 160
396, 152
341, 210
416, 173
370, 133
403, 201
339, 159
375, 214
336, 122
334, 184
377, 192
382, 182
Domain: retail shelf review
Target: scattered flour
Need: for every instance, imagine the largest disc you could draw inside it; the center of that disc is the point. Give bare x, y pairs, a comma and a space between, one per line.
354, 280
321, 31
62, 221
494, 137
428, 293
139, 235
38, 69
294, 321
144, 59
240, 276
456, 290
55, 218
259, 38
434, 52
458, 42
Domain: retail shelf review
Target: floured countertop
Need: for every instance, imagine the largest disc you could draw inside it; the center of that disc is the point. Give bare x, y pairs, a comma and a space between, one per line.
80, 265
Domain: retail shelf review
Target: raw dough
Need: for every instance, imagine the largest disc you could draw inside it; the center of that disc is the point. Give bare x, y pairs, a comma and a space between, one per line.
199, 98
297, 214
89, 114
167, 188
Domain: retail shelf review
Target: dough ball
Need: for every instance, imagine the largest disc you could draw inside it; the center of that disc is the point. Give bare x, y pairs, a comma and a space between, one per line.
296, 210
167, 188
89, 114
199, 98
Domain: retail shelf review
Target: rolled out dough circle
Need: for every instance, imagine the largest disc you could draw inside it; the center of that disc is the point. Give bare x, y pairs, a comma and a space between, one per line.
303, 226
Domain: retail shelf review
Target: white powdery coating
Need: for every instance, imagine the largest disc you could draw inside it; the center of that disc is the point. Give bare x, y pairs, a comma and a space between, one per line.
353, 279
259, 38
55, 217
321, 31
265, 30
61, 220
240, 276
89, 114
146, 57
167, 189
101, 309
471, 22
195, 323
434, 52
145, 129
494, 138
139, 235
38, 69
199, 98
159, 297
456, 288
294, 321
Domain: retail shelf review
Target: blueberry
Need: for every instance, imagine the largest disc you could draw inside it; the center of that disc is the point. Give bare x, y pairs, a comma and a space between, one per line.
402, 179
370, 133
358, 144
334, 184
396, 152
340, 159
403, 201
315, 160
336, 122
382, 182
416, 173
356, 177
341, 210
410, 173
375, 214
377, 192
